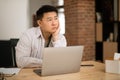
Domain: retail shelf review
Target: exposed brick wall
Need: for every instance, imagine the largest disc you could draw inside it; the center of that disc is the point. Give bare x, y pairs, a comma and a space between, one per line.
80, 25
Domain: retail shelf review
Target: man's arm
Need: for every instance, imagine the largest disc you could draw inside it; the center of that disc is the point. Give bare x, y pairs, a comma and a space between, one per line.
58, 40
23, 52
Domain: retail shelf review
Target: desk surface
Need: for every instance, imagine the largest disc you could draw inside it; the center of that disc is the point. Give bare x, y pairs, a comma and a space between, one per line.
96, 72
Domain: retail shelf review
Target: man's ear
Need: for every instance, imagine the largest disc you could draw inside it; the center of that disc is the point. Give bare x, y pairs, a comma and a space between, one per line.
39, 22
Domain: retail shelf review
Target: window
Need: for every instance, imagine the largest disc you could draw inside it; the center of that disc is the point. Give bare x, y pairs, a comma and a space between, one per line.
61, 16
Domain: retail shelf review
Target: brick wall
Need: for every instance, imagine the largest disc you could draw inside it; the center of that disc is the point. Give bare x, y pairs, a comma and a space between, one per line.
80, 25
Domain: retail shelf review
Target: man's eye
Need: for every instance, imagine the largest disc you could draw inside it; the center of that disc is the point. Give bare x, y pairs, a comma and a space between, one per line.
56, 18
49, 19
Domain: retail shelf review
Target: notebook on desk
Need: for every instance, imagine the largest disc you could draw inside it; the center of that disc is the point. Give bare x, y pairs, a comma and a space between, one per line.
61, 60
10, 70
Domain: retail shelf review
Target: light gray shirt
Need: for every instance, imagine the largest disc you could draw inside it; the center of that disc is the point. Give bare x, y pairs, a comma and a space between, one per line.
30, 45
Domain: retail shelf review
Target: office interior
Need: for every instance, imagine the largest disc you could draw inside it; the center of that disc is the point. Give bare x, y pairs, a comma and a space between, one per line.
92, 23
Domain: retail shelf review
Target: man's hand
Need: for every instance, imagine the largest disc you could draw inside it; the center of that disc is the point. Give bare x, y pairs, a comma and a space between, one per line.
55, 34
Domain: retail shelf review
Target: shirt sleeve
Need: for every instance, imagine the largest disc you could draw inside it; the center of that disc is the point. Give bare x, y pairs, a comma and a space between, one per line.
23, 52
61, 42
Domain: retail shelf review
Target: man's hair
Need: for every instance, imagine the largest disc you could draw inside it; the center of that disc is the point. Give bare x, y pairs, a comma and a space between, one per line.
44, 9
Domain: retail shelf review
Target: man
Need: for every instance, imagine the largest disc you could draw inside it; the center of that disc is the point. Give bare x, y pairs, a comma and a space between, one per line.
32, 42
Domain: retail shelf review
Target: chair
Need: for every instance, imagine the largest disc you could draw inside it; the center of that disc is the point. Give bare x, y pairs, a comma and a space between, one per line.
7, 53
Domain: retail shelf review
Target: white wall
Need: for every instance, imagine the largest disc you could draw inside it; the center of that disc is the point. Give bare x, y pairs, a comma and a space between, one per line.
16, 16
13, 18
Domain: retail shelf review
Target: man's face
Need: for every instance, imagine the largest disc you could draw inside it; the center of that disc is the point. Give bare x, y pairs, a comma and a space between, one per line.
49, 22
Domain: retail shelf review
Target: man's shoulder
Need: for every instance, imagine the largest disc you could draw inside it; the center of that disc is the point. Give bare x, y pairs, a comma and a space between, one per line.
32, 29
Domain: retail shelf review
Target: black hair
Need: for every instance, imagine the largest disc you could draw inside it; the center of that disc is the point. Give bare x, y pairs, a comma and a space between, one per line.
44, 9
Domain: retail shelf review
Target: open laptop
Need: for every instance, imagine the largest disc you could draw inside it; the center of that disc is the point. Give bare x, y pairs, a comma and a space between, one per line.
61, 60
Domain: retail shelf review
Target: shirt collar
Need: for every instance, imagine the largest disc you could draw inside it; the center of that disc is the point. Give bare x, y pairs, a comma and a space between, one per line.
38, 32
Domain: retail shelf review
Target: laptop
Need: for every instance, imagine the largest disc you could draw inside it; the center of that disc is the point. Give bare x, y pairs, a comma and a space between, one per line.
61, 60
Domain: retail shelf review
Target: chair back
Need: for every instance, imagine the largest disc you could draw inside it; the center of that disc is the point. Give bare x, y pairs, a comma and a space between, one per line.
7, 53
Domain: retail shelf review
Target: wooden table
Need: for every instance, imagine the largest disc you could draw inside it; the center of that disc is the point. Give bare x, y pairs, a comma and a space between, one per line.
96, 72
